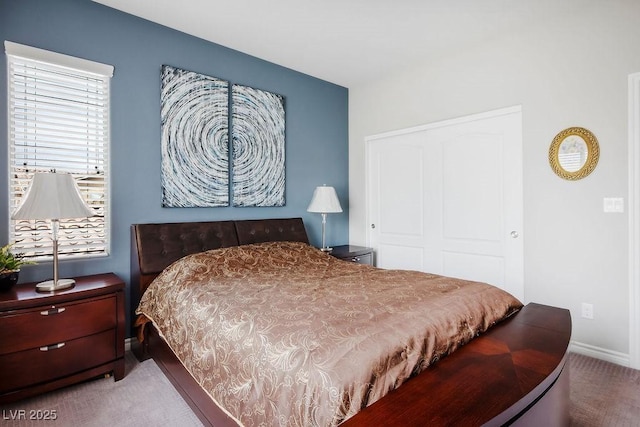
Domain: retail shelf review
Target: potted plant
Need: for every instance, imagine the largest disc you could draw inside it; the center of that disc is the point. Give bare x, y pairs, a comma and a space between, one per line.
10, 264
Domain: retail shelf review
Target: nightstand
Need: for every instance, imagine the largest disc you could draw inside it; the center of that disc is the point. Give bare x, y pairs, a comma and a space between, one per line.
51, 340
359, 254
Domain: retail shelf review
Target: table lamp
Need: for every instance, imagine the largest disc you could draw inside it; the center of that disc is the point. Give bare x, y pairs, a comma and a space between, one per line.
53, 196
324, 201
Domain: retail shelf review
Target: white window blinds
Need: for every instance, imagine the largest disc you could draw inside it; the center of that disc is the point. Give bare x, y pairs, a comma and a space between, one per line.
58, 120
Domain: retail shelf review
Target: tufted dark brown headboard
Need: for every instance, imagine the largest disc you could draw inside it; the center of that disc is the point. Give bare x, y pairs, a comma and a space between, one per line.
271, 230
158, 245
155, 246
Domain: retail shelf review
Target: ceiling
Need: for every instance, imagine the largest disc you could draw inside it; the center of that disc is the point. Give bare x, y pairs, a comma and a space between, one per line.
348, 42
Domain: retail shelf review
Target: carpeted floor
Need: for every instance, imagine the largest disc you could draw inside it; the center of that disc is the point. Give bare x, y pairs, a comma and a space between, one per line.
144, 397
602, 394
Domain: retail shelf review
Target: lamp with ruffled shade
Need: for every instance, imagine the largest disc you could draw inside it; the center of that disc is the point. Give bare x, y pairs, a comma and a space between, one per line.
53, 196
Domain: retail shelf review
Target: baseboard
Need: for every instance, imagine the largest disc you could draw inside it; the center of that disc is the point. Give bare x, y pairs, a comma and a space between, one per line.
600, 353
127, 343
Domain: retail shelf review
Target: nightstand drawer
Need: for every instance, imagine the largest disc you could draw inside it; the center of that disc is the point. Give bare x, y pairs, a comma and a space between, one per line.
357, 254
52, 340
25, 368
361, 259
45, 325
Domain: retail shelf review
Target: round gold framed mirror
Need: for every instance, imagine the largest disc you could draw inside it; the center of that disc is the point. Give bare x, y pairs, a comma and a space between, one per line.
574, 153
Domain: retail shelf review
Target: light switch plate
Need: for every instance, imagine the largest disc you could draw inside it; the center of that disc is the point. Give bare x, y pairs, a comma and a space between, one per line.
613, 204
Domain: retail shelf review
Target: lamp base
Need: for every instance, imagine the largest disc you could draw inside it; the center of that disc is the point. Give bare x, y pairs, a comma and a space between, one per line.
326, 249
52, 286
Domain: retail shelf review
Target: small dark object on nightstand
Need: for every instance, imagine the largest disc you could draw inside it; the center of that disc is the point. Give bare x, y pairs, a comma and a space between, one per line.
8, 280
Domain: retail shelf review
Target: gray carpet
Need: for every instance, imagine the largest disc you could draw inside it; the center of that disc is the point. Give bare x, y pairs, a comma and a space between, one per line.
602, 394
144, 397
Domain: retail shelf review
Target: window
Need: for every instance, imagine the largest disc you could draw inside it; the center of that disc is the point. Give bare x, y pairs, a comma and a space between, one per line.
59, 120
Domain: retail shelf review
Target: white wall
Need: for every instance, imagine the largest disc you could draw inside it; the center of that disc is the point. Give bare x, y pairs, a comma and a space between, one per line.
570, 71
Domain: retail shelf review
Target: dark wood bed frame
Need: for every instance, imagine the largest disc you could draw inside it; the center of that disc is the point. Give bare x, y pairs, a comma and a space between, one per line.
514, 374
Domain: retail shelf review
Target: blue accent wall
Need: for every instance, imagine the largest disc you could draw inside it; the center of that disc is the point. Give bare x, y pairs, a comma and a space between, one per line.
316, 119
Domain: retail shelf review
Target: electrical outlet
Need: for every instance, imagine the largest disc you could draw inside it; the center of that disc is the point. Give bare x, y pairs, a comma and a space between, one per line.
587, 310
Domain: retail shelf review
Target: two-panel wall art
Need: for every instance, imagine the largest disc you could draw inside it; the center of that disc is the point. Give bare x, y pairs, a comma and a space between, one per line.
196, 166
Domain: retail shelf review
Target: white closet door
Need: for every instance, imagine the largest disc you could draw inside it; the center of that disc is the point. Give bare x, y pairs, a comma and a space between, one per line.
446, 198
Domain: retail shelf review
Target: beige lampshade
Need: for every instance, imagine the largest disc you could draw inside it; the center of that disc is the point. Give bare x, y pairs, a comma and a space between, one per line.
324, 200
52, 196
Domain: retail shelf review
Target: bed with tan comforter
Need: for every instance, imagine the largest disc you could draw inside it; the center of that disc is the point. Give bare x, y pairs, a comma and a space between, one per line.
281, 333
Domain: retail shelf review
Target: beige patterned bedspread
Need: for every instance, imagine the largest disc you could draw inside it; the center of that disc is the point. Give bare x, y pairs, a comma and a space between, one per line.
284, 334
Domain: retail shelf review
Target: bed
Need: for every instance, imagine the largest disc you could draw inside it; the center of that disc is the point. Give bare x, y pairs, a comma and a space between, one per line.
255, 327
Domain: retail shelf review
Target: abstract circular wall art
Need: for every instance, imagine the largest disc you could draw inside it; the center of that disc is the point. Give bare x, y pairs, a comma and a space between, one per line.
258, 147
195, 139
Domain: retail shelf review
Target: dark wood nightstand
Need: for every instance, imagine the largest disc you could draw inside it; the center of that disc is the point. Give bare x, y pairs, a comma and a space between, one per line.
51, 340
358, 254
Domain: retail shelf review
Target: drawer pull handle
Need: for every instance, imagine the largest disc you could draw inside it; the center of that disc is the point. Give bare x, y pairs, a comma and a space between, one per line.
52, 347
355, 259
53, 311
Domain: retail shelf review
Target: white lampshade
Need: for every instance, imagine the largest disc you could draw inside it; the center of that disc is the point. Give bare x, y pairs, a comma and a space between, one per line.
324, 200
52, 196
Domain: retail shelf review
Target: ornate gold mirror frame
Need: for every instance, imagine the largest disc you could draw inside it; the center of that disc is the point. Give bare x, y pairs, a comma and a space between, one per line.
574, 153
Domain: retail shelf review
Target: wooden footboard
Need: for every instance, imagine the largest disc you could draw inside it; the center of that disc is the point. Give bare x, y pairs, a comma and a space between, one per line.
499, 378
516, 374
